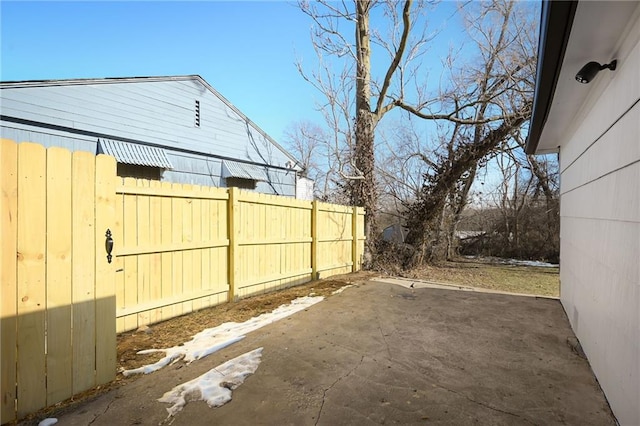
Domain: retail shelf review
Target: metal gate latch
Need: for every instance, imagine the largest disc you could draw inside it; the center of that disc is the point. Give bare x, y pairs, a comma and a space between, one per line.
108, 245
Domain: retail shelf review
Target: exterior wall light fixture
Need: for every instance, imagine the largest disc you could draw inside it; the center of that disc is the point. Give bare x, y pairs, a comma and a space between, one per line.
589, 71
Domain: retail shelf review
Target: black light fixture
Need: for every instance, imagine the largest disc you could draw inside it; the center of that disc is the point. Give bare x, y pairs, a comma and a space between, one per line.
589, 71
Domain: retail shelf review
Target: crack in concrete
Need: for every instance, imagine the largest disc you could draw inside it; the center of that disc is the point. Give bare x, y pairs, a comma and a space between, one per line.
486, 405
383, 337
103, 413
324, 393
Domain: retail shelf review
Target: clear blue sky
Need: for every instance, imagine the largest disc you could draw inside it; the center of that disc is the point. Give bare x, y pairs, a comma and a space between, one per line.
246, 50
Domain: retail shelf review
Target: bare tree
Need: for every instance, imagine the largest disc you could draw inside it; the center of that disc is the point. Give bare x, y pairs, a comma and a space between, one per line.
374, 96
310, 144
489, 103
485, 104
402, 157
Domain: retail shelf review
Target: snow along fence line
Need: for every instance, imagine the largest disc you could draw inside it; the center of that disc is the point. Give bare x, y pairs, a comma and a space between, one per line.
216, 338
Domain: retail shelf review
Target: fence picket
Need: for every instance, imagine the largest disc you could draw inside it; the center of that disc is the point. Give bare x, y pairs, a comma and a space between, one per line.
59, 344
105, 292
130, 239
187, 255
119, 263
143, 280
176, 209
31, 278
83, 270
166, 257
196, 255
8, 277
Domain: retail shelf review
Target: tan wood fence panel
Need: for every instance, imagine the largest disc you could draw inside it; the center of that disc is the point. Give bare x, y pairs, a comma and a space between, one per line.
272, 242
334, 239
172, 250
57, 311
184, 247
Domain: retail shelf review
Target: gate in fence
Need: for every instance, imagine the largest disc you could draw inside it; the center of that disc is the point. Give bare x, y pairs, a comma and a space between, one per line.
58, 289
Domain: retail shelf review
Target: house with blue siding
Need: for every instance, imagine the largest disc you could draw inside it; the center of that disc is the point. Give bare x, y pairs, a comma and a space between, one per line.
176, 129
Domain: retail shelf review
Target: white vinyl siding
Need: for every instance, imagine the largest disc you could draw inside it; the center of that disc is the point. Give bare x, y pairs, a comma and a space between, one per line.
600, 229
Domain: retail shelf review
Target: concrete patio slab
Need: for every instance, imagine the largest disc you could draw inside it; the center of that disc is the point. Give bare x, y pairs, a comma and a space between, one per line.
383, 353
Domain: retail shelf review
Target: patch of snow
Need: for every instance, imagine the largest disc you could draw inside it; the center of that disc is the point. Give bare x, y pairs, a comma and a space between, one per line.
215, 386
213, 339
198, 347
469, 234
530, 263
341, 289
48, 422
516, 262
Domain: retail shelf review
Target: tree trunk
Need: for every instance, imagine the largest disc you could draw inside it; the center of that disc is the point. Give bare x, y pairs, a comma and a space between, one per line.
364, 191
459, 202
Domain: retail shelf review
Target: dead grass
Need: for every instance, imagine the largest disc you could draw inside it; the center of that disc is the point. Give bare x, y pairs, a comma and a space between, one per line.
490, 274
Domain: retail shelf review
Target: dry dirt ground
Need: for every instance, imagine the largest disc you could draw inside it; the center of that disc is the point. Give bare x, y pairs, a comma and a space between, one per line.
485, 273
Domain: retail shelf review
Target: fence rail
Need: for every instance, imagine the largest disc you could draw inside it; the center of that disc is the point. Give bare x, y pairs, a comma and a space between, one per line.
177, 248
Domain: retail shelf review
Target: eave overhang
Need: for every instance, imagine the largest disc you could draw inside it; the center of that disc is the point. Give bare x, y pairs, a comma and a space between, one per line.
556, 21
571, 35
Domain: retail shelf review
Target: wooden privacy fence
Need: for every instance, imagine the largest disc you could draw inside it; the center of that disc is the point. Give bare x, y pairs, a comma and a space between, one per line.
177, 248
180, 248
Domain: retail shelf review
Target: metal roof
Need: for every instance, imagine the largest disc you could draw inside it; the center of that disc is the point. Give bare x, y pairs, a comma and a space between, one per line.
243, 171
131, 153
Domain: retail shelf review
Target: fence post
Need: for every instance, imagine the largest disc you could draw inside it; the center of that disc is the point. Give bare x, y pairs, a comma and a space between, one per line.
354, 241
233, 241
314, 241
